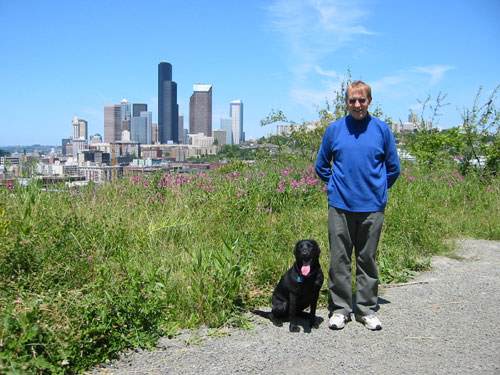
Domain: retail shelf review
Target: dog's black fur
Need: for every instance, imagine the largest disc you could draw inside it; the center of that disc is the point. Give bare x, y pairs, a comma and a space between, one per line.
295, 291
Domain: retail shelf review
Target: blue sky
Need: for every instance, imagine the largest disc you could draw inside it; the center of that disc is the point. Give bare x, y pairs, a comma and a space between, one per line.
61, 59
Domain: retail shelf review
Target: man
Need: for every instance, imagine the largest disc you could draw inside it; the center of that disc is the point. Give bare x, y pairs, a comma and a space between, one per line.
359, 162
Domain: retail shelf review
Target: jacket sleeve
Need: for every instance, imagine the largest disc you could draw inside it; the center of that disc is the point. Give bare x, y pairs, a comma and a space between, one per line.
392, 165
324, 159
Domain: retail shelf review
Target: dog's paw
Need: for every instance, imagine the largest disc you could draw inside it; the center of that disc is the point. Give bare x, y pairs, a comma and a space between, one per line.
313, 323
294, 328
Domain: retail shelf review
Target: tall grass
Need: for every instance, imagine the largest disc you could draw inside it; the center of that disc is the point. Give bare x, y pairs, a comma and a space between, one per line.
87, 273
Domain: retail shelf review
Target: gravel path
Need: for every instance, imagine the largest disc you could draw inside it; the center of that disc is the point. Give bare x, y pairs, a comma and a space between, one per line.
445, 321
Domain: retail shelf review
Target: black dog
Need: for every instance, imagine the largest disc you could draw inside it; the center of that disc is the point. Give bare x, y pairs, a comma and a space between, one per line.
299, 287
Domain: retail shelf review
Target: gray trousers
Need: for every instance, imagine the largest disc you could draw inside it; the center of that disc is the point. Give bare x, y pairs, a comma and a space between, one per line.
361, 231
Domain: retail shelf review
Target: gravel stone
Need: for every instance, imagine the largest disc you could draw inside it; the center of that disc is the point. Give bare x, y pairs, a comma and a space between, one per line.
444, 321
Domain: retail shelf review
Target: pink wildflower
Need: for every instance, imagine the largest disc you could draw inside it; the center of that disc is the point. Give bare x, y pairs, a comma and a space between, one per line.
281, 186
135, 179
295, 184
285, 172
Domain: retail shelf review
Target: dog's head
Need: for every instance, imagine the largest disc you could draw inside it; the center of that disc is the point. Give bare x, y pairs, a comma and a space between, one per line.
306, 256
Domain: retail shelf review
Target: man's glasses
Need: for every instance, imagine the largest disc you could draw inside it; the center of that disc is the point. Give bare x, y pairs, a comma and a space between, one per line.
354, 100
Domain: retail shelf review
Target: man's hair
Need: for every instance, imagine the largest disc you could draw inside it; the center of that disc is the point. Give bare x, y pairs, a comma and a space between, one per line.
359, 85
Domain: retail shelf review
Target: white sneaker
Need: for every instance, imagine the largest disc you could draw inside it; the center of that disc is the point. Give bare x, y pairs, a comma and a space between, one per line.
370, 321
337, 321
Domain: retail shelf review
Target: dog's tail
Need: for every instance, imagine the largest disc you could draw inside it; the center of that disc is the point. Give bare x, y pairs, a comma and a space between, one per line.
263, 314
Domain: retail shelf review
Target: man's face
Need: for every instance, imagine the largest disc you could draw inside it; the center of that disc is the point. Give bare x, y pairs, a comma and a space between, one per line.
357, 103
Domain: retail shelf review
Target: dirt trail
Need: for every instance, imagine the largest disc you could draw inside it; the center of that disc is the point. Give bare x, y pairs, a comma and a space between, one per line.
445, 321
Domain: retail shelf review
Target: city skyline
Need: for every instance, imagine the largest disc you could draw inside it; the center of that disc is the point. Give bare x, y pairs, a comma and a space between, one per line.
288, 55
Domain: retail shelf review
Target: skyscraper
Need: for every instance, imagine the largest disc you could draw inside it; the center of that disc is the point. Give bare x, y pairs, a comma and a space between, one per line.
236, 113
112, 123
181, 129
154, 133
137, 108
227, 125
168, 129
200, 110
125, 115
80, 128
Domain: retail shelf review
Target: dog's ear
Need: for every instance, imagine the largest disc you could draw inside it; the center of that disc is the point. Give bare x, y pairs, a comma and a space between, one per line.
296, 248
316, 246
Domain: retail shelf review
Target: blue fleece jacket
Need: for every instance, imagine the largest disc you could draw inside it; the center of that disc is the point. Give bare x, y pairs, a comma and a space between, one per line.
359, 161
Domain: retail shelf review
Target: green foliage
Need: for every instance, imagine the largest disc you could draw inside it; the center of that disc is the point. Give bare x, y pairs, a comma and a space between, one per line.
474, 145
85, 274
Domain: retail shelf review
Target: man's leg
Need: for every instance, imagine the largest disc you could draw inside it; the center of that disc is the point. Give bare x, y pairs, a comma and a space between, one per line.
365, 244
339, 280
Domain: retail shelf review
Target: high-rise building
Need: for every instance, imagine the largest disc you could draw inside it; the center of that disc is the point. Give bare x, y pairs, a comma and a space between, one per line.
64, 143
181, 129
125, 115
137, 108
80, 128
220, 136
125, 110
227, 124
138, 129
168, 129
236, 113
154, 133
149, 125
112, 123
200, 110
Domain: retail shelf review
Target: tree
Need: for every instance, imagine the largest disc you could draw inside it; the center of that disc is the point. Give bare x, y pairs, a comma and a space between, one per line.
481, 137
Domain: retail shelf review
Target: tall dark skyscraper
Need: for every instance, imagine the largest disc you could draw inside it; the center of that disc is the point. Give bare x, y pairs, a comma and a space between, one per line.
168, 129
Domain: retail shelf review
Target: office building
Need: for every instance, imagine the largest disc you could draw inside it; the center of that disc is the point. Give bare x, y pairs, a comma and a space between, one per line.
140, 124
220, 137
201, 140
236, 113
78, 146
154, 133
226, 124
200, 110
181, 129
168, 129
112, 123
137, 108
80, 128
96, 138
125, 115
138, 129
64, 144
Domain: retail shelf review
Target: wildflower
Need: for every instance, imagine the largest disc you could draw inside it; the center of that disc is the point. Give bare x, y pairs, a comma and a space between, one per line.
285, 172
295, 184
311, 181
10, 185
410, 178
281, 186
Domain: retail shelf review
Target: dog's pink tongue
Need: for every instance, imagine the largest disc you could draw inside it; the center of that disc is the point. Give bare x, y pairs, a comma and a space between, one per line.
304, 270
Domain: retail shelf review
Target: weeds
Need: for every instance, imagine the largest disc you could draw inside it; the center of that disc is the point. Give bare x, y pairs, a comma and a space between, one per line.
86, 274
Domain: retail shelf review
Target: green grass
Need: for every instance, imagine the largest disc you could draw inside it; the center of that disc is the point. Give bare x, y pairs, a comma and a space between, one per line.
87, 273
